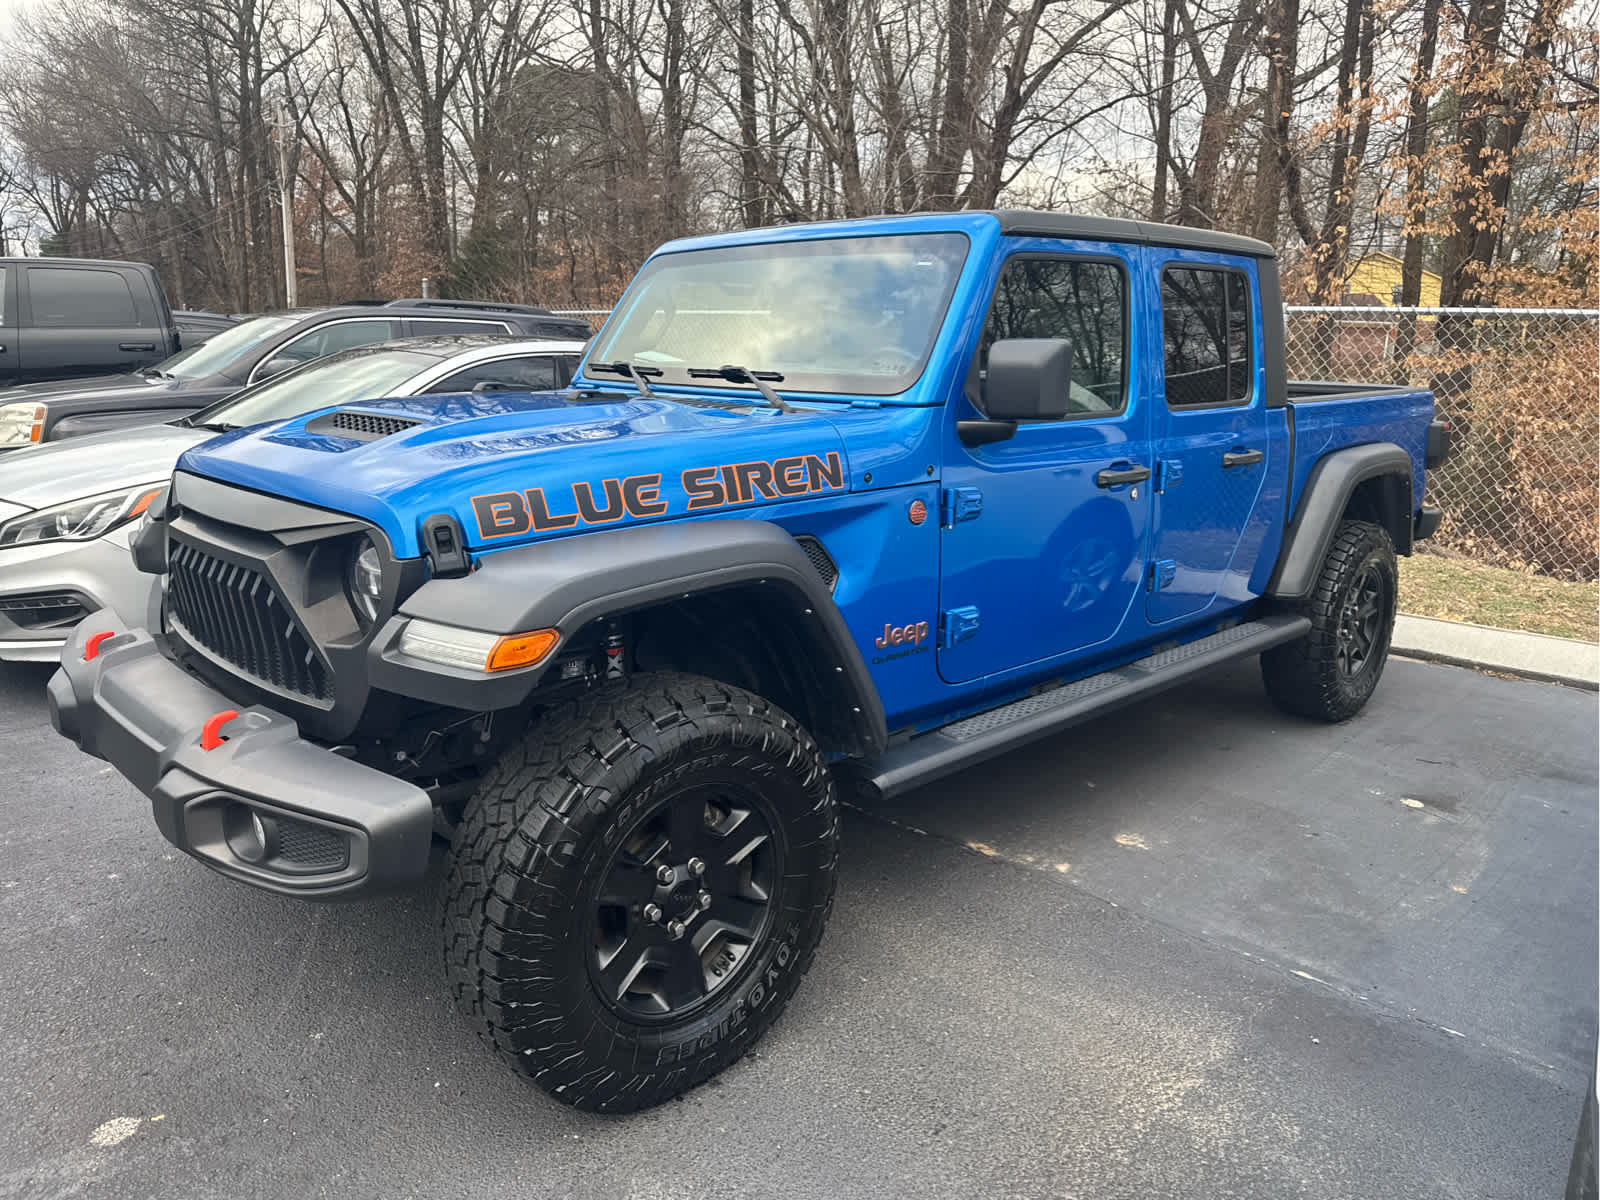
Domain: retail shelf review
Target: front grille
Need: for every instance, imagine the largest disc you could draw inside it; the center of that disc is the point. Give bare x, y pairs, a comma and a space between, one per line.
237, 614
820, 559
44, 610
310, 847
359, 426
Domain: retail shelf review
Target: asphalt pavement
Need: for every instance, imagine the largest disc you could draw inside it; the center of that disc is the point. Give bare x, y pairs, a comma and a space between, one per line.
1194, 949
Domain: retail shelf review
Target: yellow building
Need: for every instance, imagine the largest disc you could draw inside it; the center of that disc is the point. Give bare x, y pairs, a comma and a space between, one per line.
1378, 275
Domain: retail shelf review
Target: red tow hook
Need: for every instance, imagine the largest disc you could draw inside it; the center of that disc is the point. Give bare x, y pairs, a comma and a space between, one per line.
210, 737
91, 648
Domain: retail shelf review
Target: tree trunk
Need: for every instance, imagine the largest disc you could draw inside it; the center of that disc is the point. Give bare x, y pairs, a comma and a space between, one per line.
1405, 341
1163, 136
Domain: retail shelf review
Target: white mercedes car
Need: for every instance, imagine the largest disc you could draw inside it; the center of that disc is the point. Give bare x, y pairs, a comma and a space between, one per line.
67, 509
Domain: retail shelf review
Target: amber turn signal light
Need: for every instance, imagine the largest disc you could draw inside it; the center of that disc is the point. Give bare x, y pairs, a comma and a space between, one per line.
521, 649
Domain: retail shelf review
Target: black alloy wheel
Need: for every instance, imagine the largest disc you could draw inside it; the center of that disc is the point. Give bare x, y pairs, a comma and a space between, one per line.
1360, 622
687, 896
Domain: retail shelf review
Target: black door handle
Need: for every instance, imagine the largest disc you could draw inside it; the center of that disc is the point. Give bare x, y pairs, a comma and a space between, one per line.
135, 347
1242, 458
1117, 476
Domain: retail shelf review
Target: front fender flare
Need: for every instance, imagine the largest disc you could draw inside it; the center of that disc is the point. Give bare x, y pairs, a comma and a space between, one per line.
567, 583
1333, 481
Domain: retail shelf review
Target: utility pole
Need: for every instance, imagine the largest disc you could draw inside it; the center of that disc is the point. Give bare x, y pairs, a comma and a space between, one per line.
280, 130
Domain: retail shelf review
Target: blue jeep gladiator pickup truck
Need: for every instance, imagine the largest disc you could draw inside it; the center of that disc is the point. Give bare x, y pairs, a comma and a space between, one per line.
862, 502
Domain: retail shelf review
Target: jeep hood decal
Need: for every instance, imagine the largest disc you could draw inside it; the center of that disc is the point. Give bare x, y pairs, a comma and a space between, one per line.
516, 468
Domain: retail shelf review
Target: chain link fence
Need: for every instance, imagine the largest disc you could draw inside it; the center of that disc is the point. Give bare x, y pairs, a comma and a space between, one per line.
1519, 388
1522, 488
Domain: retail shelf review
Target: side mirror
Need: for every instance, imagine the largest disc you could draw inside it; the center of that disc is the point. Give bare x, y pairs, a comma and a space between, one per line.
275, 366
1027, 379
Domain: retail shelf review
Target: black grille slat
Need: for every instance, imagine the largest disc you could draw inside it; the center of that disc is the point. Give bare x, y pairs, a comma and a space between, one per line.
236, 613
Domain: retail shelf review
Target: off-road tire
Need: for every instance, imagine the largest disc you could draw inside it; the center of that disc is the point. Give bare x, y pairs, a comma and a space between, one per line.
1310, 677
546, 829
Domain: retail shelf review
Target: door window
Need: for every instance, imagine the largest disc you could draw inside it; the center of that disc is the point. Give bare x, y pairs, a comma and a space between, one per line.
328, 339
526, 374
76, 298
1208, 352
1083, 300
3, 284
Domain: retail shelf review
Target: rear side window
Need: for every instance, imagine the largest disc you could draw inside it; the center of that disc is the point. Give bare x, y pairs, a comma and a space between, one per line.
526, 374
1208, 352
1067, 298
4, 282
76, 298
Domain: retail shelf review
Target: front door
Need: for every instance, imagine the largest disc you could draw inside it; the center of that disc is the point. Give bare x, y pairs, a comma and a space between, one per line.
1210, 435
1042, 549
84, 321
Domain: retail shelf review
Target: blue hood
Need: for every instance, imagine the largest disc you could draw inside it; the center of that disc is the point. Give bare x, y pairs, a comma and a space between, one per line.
516, 468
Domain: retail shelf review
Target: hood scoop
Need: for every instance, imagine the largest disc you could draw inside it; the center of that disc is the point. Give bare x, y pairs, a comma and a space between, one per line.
359, 426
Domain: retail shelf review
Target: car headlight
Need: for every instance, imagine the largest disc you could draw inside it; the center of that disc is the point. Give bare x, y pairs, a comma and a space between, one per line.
21, 424
363, 582
80, 520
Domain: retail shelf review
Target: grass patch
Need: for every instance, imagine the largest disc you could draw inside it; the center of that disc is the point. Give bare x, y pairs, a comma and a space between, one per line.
1459, 590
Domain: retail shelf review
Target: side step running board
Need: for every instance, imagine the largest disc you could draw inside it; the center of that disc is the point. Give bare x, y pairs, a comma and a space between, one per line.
962, 743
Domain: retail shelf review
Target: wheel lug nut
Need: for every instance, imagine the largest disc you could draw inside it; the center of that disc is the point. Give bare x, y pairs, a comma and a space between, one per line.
705, 899
696, 867
663, 874
676, 928
652, 913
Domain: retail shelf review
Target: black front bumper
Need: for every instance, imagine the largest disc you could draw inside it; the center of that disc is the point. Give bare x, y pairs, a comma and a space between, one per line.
265, 806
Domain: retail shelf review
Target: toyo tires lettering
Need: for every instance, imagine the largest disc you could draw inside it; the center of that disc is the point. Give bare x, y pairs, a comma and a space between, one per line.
743, 1007
536, 510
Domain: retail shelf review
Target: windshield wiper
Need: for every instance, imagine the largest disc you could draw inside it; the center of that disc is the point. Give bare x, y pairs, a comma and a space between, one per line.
211, 426
152, 373
756, 379
630, 371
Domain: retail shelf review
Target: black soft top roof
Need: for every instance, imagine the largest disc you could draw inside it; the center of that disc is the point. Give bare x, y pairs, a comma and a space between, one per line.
1115, 229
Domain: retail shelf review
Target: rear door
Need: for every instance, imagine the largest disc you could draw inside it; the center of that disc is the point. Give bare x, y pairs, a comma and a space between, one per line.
1211, 443
10, 358
1042, 553
83, 320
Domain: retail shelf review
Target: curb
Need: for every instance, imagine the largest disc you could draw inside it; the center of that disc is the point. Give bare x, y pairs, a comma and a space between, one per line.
1533, 656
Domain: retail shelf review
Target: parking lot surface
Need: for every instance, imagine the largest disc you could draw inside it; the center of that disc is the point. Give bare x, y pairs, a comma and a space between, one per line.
1195, 949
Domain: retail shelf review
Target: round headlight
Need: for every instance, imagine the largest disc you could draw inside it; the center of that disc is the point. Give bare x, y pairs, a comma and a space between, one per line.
364, 582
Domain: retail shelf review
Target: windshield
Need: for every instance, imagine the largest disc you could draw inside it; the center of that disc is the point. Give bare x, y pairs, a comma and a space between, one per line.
216, 354
856, 315
339, 379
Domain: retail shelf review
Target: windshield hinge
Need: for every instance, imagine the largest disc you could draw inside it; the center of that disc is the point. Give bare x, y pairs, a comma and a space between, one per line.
441, 542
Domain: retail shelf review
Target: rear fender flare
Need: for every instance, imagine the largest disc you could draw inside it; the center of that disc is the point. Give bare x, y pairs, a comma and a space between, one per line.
1323, 503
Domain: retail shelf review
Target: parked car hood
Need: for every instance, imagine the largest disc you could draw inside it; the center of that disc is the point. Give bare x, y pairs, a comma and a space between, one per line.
57, 472
91, 385
627, 457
